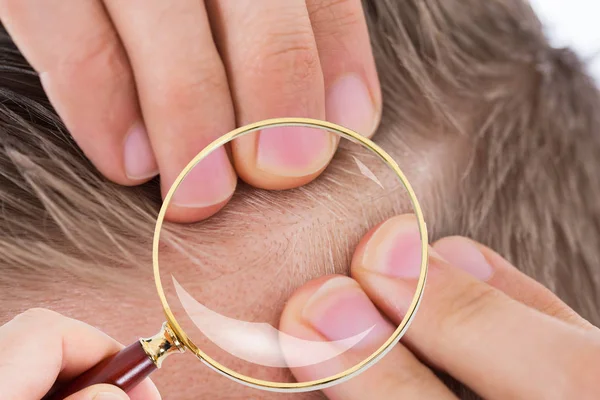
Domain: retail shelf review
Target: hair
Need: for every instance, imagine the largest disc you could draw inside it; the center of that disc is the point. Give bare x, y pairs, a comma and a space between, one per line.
477, 73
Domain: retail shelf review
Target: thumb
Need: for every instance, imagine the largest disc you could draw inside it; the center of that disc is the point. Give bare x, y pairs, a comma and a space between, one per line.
99, 392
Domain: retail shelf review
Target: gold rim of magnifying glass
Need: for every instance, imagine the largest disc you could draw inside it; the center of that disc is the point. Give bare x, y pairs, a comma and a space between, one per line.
350, 372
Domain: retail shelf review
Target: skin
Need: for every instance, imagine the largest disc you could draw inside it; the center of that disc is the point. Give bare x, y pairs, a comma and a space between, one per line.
188, 97
146, 85
474, 304
183, 377
468, 318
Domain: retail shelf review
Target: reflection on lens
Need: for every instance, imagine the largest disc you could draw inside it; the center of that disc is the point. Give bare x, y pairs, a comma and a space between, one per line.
227, 279
260, 343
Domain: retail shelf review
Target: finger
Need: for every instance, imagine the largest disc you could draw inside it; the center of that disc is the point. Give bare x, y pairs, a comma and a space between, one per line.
334, 308
100, 392
352, 90
88, 79
184, 96
144, 391
507, 278
464, 323
49, 347
273, 63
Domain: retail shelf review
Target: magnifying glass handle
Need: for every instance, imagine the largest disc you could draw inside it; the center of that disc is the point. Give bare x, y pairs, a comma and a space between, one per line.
125, 369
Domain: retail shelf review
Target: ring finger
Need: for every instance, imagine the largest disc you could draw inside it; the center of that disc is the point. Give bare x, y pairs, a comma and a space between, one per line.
352, 90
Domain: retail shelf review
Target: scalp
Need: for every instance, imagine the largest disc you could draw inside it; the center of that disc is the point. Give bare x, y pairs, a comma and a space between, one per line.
502, 130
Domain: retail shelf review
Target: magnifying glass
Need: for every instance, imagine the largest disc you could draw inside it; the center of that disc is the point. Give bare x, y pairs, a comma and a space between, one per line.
201, 270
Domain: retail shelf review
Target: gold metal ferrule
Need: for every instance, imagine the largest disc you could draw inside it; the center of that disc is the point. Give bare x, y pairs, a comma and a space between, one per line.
161, 345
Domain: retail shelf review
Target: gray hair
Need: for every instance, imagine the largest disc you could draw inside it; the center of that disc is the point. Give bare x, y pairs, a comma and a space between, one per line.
478, 73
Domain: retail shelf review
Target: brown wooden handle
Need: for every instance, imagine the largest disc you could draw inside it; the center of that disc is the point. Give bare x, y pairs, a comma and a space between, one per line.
125, 369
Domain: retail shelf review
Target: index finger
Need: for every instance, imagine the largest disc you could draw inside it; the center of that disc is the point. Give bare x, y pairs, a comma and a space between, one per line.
52, 347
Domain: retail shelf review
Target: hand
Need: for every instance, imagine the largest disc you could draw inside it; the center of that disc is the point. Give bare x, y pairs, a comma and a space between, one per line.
481, 321
52, 348
143, 86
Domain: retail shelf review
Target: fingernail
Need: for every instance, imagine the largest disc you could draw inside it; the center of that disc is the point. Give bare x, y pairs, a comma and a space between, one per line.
349, 104
340, 309
294, 151
210, 182
108, 396
139, 157
462, 253
394, 249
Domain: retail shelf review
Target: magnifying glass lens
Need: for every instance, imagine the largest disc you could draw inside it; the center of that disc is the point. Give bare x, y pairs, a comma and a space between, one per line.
227, 279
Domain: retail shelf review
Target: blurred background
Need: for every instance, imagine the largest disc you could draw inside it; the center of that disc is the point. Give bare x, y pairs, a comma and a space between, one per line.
576, 24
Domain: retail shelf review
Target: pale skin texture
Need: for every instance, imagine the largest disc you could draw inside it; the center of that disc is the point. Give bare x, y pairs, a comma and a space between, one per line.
474, 304
143, 86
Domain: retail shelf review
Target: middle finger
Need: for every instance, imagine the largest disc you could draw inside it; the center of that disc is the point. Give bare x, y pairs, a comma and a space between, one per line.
184, 96
273, 65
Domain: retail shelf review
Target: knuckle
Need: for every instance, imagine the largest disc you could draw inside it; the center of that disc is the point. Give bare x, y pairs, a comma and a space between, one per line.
466, 305
101, 50
407, 377
96, 61
392, 382
291, 53
37, 315
182, 91
557, 310
389, 383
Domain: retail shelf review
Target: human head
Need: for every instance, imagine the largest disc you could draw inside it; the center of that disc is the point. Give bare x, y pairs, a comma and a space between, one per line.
495, 129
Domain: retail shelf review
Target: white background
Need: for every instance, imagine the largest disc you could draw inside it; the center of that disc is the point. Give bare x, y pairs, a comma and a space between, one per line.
573, 23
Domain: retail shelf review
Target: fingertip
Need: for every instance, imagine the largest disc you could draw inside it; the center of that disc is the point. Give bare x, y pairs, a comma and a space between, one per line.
333, 308
100, 392
139, 160
378, 117
335, 312
393, 248
284, 157
185, 215
105, 123
205, 190
465, 254
350, 103
292, 321
111, 161
388, 263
